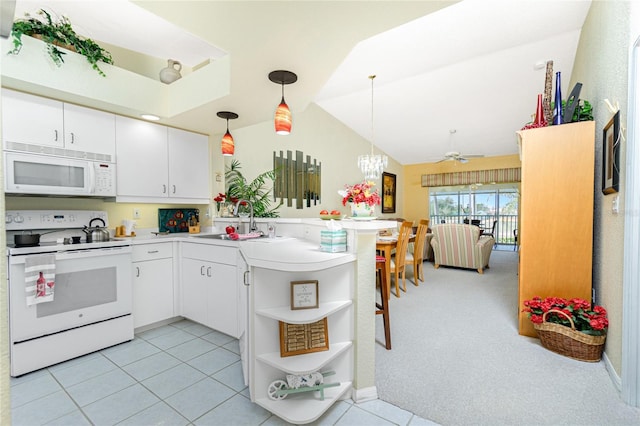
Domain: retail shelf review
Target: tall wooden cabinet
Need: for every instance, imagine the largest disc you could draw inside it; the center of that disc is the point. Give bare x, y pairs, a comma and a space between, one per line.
556, 214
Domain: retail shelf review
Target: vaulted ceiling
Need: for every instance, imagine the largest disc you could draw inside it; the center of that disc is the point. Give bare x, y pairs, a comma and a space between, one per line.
474, 66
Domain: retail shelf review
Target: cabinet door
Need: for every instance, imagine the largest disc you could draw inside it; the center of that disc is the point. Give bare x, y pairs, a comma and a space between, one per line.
152, 291
141, 156
188, 164
90, 130
223, 300
194, 290
31, 119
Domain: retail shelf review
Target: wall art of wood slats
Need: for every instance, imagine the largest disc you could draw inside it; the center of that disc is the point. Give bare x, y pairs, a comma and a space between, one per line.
297, 179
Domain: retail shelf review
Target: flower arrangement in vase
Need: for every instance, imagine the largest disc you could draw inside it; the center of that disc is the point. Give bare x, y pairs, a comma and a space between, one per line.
363, 198
58, 34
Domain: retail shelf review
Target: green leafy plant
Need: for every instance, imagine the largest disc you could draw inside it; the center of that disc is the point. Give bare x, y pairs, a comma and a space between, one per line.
55, 35
255, 191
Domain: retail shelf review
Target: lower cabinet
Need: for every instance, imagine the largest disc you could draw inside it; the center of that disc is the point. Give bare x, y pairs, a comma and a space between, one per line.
209, 287
152, 283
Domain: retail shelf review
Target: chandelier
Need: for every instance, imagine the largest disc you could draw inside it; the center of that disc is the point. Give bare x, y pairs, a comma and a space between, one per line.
372, 164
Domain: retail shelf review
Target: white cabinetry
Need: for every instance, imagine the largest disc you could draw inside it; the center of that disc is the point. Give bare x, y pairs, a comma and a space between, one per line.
160, 164
210, 290
153, 291
34, 120
269, 303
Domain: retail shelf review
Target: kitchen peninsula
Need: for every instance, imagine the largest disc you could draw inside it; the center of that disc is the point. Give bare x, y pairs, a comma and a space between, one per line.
266, 267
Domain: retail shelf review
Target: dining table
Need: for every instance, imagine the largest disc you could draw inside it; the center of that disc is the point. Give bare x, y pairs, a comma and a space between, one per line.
385, 246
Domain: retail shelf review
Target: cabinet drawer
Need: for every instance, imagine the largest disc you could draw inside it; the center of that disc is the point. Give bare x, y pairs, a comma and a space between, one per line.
151, 251
210, 253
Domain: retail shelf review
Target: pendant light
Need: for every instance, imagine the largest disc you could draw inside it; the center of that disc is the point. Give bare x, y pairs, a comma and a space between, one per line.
283, 114
370, 164
228, 145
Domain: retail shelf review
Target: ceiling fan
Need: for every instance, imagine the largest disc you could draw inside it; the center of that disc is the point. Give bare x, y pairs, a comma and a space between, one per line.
456, 156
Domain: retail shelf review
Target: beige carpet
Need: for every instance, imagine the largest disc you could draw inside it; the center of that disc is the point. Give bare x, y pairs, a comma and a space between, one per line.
457, 358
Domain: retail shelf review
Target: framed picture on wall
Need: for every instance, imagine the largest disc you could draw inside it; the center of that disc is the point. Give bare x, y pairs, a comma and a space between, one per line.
611, 155
388, 192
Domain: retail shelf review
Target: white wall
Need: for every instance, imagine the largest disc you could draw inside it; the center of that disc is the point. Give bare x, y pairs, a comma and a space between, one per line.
317, 134
601, 65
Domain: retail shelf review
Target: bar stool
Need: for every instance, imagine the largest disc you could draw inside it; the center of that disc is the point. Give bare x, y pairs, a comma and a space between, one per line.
382, 308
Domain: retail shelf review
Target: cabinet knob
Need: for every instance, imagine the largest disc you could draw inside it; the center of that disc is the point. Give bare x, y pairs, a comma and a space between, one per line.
137, 271
73, 138
164, 189
209, 271
174, 189
202, 270
55, 135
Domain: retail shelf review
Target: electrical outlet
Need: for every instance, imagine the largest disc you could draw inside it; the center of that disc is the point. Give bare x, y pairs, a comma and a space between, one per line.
136, 213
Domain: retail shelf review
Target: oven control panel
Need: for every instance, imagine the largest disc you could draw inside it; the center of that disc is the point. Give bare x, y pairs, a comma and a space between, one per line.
16, 220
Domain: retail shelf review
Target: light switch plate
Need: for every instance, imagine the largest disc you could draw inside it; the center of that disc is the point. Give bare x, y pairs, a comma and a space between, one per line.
136, 213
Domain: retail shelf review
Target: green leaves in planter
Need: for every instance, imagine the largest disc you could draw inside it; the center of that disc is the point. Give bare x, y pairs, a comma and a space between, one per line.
255, 191
55, 35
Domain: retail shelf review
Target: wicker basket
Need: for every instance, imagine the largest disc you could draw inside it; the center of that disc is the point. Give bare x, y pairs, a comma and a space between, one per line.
568, 341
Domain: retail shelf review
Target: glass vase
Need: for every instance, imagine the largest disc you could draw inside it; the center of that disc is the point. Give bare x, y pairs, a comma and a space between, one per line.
557, 106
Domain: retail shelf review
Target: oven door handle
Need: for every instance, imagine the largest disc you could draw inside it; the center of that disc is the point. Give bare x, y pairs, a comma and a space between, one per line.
84, 253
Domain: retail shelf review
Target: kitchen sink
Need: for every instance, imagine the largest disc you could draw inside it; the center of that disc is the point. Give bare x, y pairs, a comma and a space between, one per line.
213, 236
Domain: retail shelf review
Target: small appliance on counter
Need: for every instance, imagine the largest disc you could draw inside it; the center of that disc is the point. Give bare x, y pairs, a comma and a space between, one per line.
178, 220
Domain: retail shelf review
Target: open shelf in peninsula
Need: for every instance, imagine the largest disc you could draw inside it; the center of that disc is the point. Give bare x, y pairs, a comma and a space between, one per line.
300, 408
303, 316
272, 273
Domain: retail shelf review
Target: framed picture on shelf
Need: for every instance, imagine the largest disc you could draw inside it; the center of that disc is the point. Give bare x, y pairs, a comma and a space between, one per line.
611, 155
297, 339
388, 192
304, 294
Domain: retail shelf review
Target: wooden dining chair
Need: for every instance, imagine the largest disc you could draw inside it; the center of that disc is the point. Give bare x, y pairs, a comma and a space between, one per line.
398, 263
417, 257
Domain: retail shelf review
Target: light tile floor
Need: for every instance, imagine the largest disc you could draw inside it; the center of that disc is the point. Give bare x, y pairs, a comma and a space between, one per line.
177, 374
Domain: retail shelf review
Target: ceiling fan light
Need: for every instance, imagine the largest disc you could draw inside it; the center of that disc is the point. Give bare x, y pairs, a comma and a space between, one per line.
283, 119
228, 145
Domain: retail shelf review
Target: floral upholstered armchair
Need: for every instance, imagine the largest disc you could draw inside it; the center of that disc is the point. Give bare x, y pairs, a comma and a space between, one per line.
461, 245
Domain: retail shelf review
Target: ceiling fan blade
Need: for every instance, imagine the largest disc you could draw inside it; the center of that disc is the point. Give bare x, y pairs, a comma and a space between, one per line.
462, 160
474, 155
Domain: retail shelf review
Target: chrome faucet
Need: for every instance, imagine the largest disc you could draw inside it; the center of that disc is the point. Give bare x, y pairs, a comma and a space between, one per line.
252, 222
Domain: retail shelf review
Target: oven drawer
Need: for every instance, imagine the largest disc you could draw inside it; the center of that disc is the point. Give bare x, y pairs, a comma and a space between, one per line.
152, 251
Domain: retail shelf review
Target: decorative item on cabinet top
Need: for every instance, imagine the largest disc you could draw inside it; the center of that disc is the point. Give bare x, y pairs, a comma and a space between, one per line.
177, 220
171, 73
297, 179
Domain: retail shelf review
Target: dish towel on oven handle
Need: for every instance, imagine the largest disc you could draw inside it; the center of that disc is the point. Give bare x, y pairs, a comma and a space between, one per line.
39, 277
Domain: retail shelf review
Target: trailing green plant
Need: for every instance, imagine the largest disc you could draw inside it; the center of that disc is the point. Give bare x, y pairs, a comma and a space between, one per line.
255, 191
56, 34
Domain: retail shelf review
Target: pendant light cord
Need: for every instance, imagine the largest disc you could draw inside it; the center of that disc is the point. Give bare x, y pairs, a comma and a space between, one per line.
372, 77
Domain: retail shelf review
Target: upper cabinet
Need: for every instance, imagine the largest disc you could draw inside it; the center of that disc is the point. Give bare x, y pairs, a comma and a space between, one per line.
157, 164
47, 123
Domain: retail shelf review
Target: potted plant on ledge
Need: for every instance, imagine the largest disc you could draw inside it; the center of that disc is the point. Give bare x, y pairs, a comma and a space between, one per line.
58, 35
573, 327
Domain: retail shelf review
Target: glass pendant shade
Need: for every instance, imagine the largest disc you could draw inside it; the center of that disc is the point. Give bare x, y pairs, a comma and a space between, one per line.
283, 119
228, 146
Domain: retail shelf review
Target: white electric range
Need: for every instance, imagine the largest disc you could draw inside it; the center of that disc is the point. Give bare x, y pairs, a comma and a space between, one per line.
92, 296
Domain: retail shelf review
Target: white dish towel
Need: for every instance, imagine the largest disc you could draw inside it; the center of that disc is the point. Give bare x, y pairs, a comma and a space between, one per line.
39, 277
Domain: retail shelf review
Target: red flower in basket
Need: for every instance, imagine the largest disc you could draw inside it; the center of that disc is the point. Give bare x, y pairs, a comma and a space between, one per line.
586, 318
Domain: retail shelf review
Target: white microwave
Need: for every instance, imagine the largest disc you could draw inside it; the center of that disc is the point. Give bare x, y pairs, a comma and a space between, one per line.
46, 175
